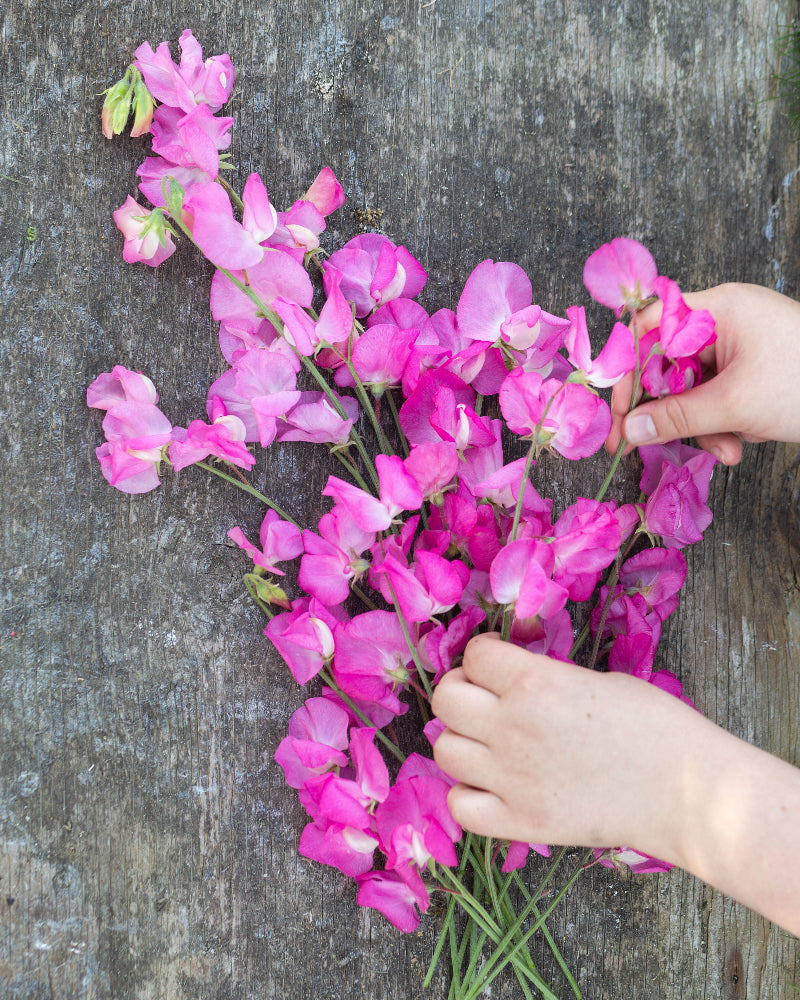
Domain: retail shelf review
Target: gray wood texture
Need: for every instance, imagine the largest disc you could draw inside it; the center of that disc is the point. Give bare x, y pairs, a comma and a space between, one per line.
147, 839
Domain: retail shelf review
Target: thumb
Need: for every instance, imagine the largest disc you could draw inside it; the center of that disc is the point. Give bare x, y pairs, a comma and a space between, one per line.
696, 413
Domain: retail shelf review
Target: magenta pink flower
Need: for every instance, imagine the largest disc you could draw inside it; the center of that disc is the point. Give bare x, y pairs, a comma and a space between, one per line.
442, 646
457, 422
259, 389
278, 274
371, 661
280, 540
433, 585
683, 331
398, 491
585, 540
192, 141
334, 557
304, 637
617, 357
314, 419
433, 465
155, 170
639, 864
194, 82
565, 417
517, 854
136, 434
374, 271
521, 576
621, 275
493, 294
146, 239
700, 463
548, 636
325, 193
223, 240
399, 901
663, 376
675, 510
314, 743
658, 575
416, 411
120, 385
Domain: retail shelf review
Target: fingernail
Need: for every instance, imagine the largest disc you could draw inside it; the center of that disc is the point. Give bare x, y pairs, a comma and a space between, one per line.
717, 453
639, 429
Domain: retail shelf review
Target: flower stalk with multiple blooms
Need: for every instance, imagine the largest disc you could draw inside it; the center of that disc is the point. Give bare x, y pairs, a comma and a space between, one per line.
432, 533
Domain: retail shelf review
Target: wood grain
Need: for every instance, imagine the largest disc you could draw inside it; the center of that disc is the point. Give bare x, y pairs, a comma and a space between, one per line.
147, 840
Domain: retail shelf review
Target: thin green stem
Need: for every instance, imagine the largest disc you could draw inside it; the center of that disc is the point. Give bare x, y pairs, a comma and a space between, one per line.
614, 466
244, 485
366, 402
389, 396
363, 597
390, 746
352, 470
496, 963
233, 195
550, 940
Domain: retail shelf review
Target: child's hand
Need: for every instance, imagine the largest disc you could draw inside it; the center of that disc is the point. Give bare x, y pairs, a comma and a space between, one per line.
553, 753
548, 752
752, 390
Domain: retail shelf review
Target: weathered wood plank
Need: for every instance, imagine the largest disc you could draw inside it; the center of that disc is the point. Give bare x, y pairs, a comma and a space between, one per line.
148, 841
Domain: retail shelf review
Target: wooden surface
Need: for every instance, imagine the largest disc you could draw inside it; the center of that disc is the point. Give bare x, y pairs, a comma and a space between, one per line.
147, 839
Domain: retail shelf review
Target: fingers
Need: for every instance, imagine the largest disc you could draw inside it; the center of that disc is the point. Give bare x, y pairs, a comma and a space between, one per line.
726, 448
482, 812
463, 706
496, 665
697, 413
465, 760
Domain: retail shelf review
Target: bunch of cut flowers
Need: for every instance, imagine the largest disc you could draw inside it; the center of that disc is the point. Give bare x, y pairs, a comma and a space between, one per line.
434, 532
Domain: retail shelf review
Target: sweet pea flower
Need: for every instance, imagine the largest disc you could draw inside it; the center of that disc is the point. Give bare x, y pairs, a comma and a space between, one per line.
617, 357
223, 240
675, 510
683, 332
398, 491
280, 540
663, 376
521, 575
260, 388
493, 293
120, 385
400, 902
147, 239
192, 140
374, 271
700, 463
621, 275
194, 82
639, 864
371, 660
585, 541
433, 585
325, 193
136, 434
334, 558
304, 637
433, 465
565, 417
315, 741
379, 357
278, 274
658, 575
517, 854
314, 419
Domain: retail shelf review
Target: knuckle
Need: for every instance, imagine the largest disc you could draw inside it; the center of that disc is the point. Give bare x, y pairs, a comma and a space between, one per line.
674, 410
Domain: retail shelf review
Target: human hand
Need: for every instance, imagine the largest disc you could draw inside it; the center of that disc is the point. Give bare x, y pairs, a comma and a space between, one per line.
550, 752
751, 378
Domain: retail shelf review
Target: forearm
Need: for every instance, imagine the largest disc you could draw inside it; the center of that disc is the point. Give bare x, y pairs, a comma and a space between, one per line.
740, 828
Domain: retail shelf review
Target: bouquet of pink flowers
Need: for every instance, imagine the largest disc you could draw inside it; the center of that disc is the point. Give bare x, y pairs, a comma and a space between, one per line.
432, 534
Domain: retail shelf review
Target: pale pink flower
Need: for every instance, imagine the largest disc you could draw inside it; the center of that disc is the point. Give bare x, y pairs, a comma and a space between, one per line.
617, 357
315, 741
621, 275
120, 385
192, 141
194, 82
374, 271
146, 239
683, 332
280, 540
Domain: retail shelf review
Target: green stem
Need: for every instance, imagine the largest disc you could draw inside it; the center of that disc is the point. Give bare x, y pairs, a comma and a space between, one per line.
352, 469
243, 485
496, 963
508, 611
610, 474
392, 747
363, 597
233, 195
389, 396
366, 402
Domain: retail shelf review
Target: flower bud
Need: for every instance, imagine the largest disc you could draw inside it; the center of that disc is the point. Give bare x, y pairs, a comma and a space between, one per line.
117, 106
143, 107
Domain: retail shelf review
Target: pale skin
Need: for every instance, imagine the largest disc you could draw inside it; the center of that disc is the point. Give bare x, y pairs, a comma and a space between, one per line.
548, 752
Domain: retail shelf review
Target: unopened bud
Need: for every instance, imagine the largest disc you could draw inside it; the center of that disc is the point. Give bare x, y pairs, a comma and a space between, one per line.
143, 107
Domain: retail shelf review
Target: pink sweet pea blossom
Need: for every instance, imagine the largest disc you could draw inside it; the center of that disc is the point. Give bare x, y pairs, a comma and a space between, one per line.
334, 557
314, 743
374, 271
493, 293
395, 898
432, 586
658, 575
120, 385
565, 417
379, 356
259, 389
371, 660
617, 357
639, 864
224, 241
398, 491
304, 637
325, 193
675, 510
193, 82
683, 332
136, 434
700, 463
280, 540
621, 275
585, 541
192, 141
517, 854
223, 438
433, 465
278, 274
146, 239
314, 419
521, 575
